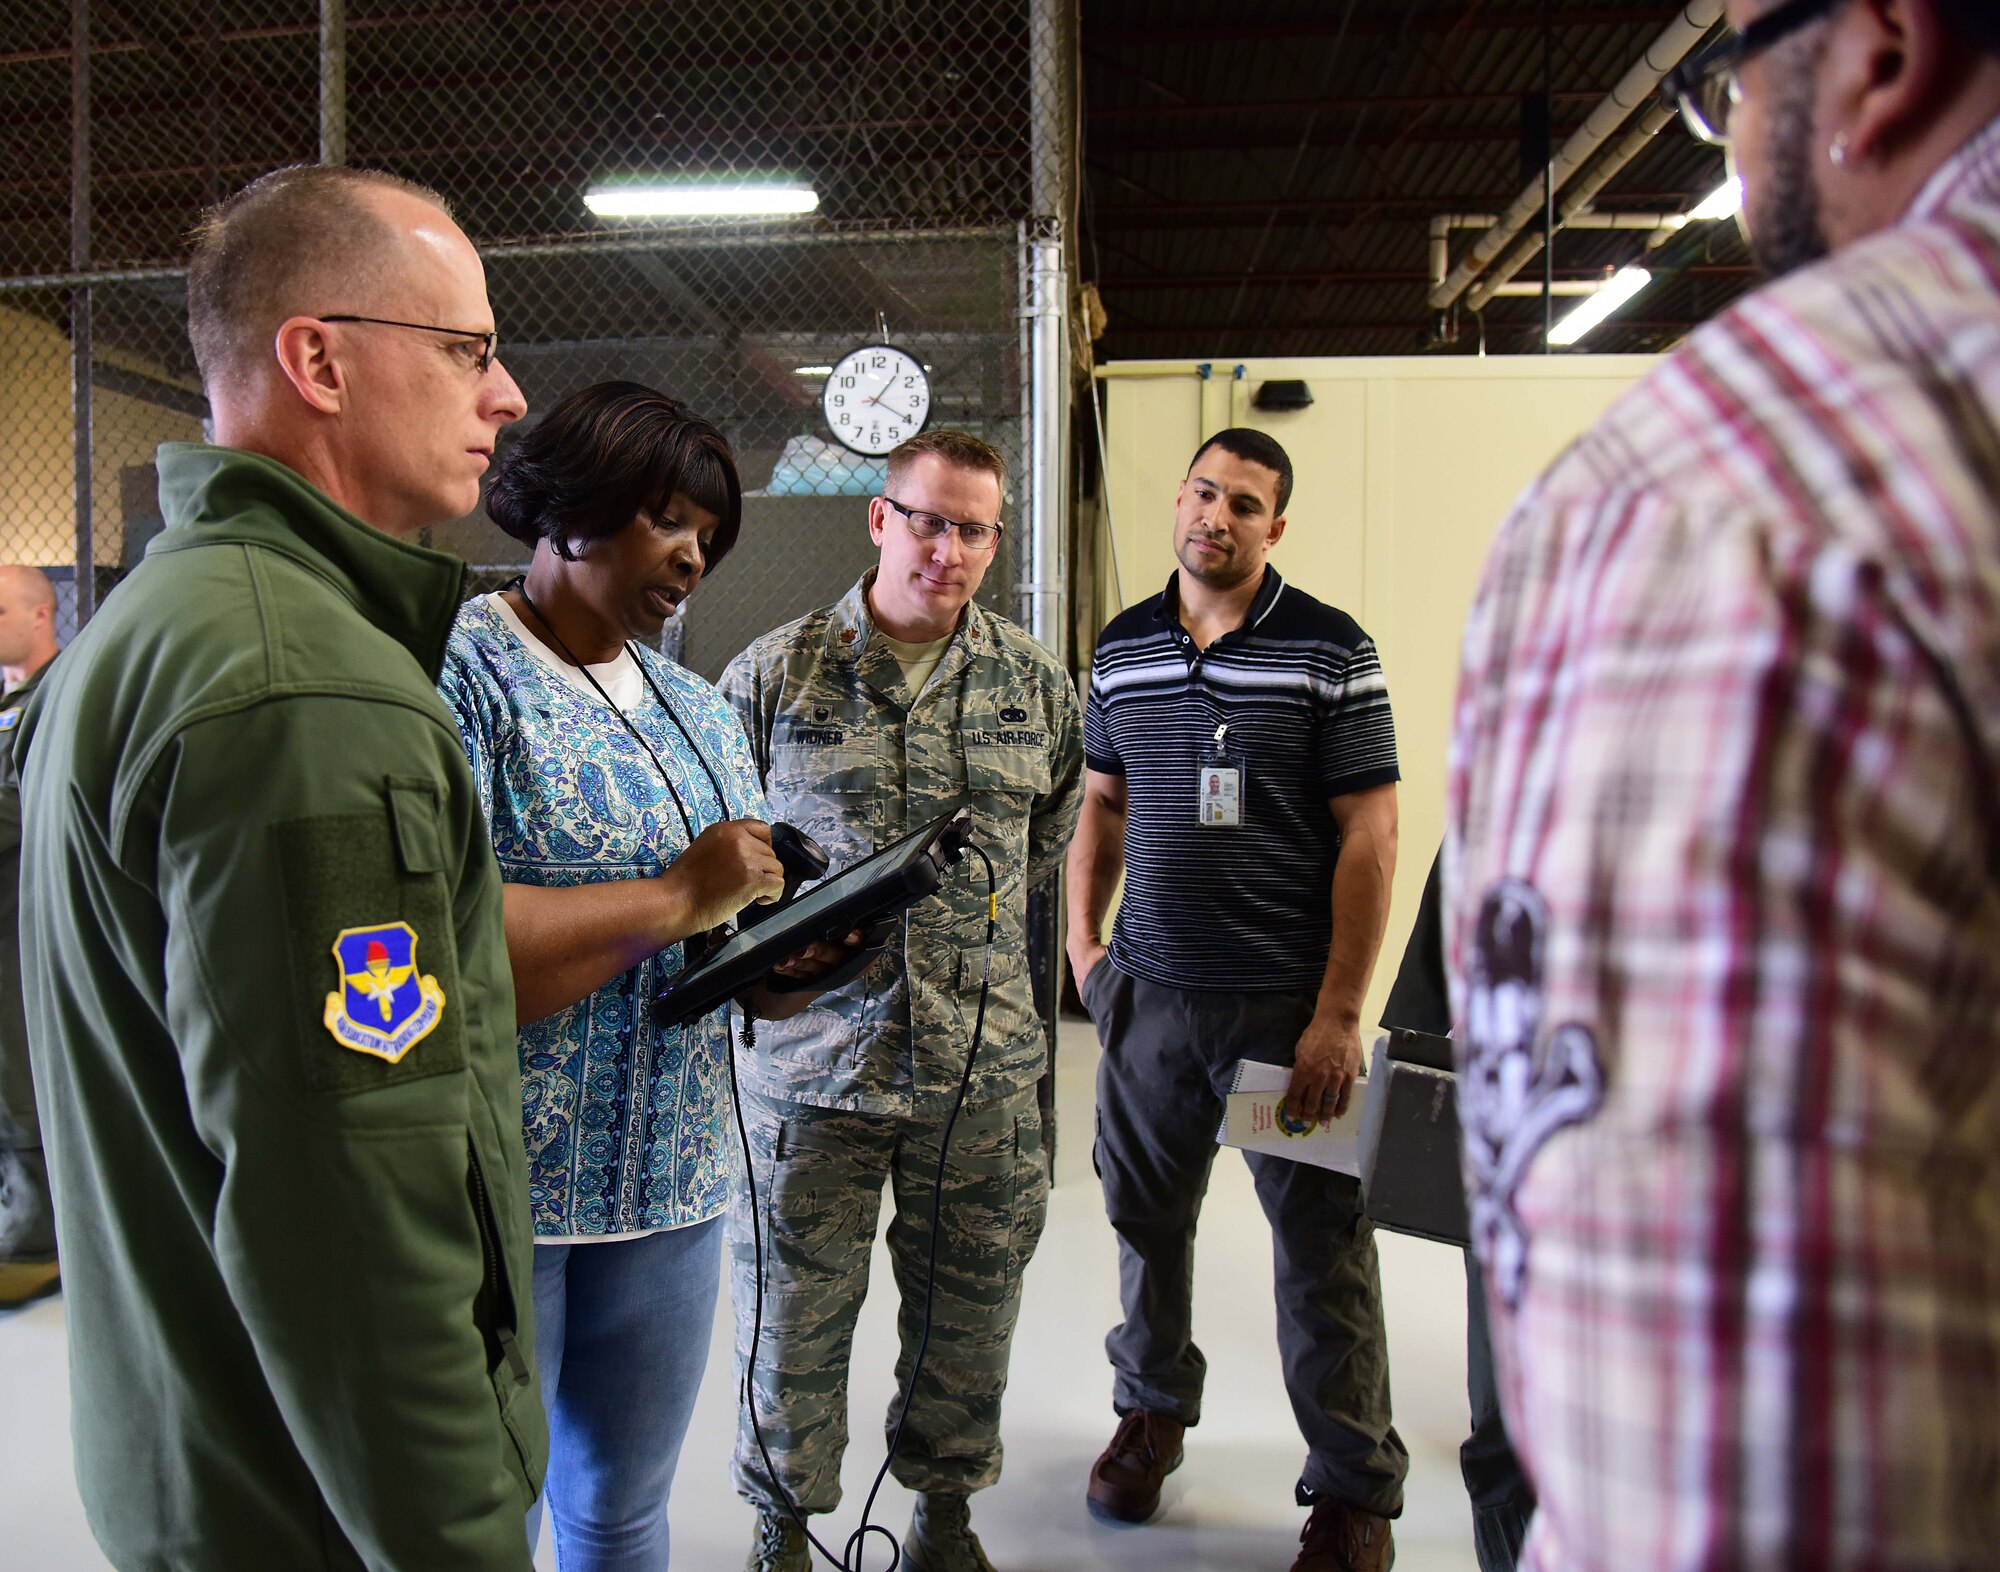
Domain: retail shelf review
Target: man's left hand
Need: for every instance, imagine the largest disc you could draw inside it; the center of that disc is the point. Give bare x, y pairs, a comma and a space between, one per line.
1324, 1069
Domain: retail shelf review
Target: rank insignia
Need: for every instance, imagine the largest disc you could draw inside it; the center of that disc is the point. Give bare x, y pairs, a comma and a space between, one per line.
384, 1006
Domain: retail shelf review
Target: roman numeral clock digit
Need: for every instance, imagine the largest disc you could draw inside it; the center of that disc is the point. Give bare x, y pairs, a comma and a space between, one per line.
877, 397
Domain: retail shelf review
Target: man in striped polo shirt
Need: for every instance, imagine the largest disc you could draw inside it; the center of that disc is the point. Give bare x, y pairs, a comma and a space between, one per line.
1242, 775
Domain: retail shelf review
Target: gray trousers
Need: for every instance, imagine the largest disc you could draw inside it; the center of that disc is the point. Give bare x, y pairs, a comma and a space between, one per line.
1169, 1058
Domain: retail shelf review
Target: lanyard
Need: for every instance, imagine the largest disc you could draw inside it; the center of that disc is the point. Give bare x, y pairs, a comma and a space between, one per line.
638, 736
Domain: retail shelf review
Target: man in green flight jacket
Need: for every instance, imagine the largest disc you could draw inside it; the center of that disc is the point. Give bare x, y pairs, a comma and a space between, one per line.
268, 992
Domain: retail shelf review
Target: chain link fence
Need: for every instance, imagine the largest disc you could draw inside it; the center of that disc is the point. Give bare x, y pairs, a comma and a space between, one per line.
938, 136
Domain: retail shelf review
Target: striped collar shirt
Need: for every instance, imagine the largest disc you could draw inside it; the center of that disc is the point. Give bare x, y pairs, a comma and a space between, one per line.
1247, 907
1724, 928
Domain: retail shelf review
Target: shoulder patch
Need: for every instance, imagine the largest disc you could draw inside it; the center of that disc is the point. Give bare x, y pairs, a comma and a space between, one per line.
383, 1006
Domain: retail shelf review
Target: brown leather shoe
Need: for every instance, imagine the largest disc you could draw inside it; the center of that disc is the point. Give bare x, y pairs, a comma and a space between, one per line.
1126, 1478
1341, 1538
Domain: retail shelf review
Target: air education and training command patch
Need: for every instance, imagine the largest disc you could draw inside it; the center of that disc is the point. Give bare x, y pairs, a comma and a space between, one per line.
383, 1006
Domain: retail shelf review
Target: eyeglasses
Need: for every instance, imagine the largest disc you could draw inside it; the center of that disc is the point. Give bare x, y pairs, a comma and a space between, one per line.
1706, 88
489, 343
930, 526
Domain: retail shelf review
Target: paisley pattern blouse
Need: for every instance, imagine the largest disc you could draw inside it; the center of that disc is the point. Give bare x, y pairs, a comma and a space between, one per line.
626, 1123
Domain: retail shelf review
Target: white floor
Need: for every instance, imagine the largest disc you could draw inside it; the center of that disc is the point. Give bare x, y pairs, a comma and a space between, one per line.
1229, 1509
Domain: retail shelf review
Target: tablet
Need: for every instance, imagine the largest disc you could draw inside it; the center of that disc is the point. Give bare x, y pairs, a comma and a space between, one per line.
880, 885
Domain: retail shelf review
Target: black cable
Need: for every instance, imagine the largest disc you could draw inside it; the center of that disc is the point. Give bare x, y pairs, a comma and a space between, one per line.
857, 1541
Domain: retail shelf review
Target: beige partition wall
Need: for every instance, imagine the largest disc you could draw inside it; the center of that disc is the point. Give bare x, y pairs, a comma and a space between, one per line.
1404, 468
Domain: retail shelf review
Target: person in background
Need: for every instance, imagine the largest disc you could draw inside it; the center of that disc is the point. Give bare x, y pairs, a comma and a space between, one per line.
1242, 777
868, 719
1502, 1499
1723, 860
625, 813
266, 973
28, 1268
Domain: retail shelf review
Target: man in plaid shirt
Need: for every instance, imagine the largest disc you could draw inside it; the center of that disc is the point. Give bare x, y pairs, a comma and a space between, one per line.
1724, 861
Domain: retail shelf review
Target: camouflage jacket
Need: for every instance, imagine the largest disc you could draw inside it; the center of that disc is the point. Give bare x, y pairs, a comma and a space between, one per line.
847, 756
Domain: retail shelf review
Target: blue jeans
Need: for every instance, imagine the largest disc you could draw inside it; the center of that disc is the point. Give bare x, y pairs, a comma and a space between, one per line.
621, 1339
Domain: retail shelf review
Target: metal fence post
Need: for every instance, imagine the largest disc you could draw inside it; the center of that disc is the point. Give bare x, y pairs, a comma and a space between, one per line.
80, 305
333, 81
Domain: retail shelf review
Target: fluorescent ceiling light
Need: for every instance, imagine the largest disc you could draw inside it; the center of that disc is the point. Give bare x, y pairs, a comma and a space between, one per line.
1725, 201
814, 371
699, 200
1612, 294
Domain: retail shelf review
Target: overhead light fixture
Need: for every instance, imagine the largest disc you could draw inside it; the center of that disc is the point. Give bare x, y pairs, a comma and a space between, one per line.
700, 200
813, 371
1725, 201
1612, 294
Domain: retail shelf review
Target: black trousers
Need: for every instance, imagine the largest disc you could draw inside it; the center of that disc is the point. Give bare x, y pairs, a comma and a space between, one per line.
1169, 1058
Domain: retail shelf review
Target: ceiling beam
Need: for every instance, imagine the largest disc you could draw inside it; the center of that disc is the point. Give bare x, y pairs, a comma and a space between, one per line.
1199, 108
1442, 21
1330, 136
1112, 284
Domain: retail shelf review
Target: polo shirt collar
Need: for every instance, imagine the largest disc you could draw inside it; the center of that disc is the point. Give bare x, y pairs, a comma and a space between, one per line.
1169, 608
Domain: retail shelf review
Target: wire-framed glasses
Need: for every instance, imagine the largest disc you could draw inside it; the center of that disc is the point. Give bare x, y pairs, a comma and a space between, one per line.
929, 526
489, 342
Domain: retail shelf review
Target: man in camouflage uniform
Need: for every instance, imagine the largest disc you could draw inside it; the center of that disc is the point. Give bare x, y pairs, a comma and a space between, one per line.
868, 719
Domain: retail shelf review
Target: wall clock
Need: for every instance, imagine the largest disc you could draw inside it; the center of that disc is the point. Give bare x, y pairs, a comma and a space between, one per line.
877, 397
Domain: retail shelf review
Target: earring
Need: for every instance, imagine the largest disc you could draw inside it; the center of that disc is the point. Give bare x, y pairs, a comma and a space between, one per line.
1836, 155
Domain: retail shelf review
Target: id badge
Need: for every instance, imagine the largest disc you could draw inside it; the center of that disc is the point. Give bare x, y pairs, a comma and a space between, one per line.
1219, 785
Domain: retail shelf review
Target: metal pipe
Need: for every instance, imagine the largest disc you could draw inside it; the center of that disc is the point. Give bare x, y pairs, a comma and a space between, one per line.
1632, 93
1588, 184
1043, 589
333, 81
81, 425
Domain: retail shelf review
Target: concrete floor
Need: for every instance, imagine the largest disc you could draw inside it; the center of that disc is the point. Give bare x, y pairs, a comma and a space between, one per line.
1229, 1509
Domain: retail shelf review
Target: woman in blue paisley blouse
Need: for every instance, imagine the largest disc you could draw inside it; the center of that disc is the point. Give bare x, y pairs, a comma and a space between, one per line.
626, 817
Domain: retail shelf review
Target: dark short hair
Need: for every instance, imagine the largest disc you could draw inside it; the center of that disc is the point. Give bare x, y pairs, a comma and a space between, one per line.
960, 449
259, 255
1253, 447
605, 454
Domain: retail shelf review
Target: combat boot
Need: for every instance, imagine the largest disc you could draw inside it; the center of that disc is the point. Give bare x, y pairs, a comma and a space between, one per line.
780, 1545
941, 1537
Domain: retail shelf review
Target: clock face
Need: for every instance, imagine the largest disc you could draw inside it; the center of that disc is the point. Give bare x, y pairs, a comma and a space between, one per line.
877, 397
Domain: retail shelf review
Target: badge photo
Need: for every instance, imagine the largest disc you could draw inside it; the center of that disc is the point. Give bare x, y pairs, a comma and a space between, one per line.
384, 1006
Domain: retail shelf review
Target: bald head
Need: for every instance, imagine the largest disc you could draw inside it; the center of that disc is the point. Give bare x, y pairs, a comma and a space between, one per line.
27, 620
299, 241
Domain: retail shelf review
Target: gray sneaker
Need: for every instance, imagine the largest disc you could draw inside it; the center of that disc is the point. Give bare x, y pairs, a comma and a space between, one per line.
941, 1537
780, 1545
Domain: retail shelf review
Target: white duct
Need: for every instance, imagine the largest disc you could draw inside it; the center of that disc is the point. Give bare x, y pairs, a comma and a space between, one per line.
1634, 90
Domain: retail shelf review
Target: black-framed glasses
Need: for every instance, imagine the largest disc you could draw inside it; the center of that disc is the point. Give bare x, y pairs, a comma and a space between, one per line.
489, 343
1706, 88
929, 526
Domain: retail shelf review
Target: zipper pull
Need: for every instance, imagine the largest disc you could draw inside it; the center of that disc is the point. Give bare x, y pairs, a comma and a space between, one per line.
510, 1349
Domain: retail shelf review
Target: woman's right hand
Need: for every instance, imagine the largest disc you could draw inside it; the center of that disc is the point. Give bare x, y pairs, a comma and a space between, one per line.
729, 865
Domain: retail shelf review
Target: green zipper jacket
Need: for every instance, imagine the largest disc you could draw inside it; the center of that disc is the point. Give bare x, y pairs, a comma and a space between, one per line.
273, 1025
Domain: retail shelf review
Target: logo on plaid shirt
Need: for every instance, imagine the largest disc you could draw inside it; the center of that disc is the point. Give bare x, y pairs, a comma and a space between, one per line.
1510, 1099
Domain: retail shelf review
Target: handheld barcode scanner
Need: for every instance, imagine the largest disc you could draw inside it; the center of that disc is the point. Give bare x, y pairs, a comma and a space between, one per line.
875, 890
803, 860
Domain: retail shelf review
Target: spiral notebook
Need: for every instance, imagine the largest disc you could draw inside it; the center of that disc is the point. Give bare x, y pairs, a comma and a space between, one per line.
1253, 1121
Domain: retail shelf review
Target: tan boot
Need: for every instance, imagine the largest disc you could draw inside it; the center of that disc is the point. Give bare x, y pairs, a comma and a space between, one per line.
780, 1545
941, 1537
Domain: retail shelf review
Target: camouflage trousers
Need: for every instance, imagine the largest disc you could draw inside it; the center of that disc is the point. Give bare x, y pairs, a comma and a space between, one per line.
819, 1175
